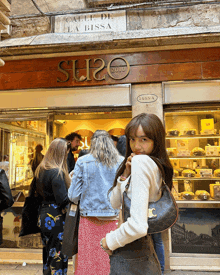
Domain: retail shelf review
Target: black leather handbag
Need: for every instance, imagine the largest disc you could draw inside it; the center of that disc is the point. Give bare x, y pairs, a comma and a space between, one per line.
71, 228
162, 214
30, 212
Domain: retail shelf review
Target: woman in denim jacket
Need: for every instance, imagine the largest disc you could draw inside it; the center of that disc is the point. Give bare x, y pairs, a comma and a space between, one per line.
93, 175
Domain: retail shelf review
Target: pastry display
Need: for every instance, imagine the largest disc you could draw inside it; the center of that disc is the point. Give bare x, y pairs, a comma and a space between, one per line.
189, 132
173, 132
204, 173
217, 173
175, 173
171, 152
182, 147
202, 195
175, 190
207, 126
212, 150
215, 190
187, 195
188, 173
188, 185
197, 151
195, 158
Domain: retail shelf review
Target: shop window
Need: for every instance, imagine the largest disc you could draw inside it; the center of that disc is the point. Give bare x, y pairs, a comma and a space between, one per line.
17, 143
193, 145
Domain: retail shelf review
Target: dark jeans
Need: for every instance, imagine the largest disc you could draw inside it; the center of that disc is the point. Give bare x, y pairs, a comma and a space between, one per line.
159, 248
136, 258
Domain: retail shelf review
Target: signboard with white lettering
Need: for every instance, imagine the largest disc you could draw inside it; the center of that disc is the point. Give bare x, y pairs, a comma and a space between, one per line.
109, 21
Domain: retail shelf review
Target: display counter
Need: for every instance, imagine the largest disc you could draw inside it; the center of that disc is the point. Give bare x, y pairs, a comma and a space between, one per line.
192, 140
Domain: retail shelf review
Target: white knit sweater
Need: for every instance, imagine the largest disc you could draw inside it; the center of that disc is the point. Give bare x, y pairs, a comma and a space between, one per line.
145, 186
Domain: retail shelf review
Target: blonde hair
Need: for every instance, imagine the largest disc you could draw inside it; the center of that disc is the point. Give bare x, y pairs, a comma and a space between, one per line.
56, 157
103, 148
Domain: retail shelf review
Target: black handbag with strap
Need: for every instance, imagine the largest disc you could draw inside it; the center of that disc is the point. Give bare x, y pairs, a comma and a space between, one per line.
30, 212
71, 228
162, 214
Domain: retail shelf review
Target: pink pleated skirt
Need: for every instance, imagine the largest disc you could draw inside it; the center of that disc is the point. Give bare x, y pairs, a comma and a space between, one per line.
92, 260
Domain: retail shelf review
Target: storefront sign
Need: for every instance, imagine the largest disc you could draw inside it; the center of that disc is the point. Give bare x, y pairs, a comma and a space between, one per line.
147, 98
109, 21
115, 72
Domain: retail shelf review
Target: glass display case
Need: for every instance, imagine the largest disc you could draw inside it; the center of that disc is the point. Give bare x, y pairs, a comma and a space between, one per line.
192, 140
21, 154
17, 143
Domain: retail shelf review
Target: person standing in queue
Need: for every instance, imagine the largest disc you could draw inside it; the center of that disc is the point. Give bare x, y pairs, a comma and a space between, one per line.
121, 145
38, 157
6, 199
74, 139
52, 183
92, 178
130, 248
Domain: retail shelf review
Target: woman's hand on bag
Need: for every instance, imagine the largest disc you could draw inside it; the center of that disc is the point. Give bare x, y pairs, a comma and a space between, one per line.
105, 247
127, 170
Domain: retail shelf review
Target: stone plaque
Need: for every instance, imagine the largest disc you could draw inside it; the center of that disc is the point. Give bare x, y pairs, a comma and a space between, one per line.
109, 21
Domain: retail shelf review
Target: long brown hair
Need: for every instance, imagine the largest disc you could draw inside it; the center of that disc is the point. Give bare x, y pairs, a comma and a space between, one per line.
154, 130
56, 157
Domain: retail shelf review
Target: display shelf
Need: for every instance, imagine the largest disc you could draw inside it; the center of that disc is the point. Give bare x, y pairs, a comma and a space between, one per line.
193, 137
194, 157
198, 204
197, 201
196, 178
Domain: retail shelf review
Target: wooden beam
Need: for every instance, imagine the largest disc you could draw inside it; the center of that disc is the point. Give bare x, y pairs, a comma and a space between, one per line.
2, 26
4, 19
5, 5
6, 32
94, 3
2, 62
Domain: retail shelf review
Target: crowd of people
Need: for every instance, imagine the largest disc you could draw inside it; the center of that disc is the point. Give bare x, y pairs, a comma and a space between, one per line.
106, 242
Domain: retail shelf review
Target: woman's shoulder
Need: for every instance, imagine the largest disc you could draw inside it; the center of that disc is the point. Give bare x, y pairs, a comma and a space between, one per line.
121, 158
52, 171
84, 158
145, 161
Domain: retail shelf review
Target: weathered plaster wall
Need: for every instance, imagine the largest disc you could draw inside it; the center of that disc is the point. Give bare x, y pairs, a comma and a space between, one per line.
199, 15
26, 7
30, 26
202, 15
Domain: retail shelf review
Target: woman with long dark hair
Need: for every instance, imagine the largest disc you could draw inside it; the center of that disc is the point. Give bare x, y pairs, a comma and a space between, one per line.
38, 157
146, 161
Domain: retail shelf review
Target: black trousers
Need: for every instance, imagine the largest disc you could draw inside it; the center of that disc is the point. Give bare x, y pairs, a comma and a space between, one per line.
51, 222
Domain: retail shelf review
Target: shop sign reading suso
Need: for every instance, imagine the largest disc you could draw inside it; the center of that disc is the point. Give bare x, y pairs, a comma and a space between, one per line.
115, 72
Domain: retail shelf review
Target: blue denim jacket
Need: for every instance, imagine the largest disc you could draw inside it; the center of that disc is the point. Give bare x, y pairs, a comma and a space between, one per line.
90, 184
